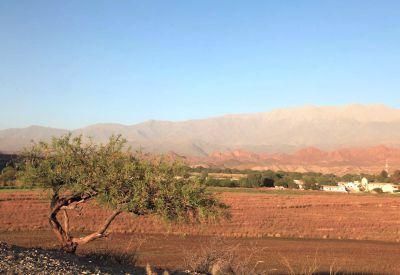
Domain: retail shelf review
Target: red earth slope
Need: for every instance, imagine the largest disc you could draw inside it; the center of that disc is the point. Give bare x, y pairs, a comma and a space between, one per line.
341, 161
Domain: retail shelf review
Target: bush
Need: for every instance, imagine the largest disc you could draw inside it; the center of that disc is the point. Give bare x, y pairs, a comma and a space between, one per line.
216, 256
8, 174
377, 190
311, 186
221, 182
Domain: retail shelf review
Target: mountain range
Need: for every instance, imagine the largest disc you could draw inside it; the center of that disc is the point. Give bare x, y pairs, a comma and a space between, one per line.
371, 160
280, 132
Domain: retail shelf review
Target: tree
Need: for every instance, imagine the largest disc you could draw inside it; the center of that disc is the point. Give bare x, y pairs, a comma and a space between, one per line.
395, 178
254, 180
311, 186
8, 174
350, 178
267, 182
384, 174
310, 180
77, 172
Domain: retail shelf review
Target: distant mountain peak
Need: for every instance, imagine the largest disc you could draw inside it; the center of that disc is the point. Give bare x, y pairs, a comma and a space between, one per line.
279, 131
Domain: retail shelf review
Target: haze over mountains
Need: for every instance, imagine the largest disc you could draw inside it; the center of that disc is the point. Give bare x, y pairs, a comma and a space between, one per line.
351, 138
370, 160
279, 131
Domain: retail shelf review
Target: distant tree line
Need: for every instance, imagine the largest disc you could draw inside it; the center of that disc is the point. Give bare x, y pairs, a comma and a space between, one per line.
285, 179
269, 178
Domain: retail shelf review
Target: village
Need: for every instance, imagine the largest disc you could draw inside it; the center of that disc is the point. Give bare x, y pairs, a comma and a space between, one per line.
353, 187
280, 180
363, 185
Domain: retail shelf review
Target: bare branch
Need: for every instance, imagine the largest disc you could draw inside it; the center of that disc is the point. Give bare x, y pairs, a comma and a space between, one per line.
99, 233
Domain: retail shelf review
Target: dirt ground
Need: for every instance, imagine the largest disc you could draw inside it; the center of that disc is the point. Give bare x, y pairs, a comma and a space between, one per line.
353, 233
276, 256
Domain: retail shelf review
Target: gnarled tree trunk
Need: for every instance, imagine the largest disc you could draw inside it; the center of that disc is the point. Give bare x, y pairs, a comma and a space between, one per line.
68, 243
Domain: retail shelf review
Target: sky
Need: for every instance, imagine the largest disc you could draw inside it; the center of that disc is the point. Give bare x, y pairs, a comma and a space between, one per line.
69, 64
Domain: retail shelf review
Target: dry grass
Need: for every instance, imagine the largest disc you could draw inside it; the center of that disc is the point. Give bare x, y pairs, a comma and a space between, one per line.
216, 256
309, 265
214, 252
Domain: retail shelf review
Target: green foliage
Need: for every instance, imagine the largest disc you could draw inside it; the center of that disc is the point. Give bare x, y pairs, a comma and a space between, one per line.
311, 186
118, 179
8, 176
9, 173
245, 183
282, 178
200, 169
254, 180
271, 178
203, 175
292, 185
222, 182
384, 174
263, 179
382, 177
350, 178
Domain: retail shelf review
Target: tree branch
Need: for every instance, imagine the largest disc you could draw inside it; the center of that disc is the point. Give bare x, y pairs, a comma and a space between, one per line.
99, 233
74, 205
65, 202
57, 204
66, 223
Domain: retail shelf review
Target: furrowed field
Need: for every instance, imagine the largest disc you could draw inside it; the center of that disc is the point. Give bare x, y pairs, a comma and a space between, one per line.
358, 233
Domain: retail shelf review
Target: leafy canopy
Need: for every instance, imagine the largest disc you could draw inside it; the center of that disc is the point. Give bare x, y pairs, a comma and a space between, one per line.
118, 179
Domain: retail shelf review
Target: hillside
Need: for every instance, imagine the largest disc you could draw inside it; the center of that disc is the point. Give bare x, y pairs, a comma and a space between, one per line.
282, 131
341, 161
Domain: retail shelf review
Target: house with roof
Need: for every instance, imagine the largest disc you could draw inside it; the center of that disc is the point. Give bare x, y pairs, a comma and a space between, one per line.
334, 188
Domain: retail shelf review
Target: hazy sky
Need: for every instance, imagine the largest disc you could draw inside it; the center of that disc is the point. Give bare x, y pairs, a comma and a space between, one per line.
69, 64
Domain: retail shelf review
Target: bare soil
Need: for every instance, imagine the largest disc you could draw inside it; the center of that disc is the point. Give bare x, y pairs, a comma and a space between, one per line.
340, 232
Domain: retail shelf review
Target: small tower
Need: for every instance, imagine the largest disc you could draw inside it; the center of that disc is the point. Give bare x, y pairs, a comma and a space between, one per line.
364, 184
387, 168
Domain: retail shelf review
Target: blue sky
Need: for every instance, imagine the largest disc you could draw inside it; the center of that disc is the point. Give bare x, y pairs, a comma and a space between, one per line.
69, 64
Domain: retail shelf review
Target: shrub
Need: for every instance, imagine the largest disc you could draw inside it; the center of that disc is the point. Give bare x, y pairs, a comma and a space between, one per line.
216, 256
9, 174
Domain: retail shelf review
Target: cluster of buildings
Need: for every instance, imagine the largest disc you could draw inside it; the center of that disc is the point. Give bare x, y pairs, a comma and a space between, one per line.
366, 186
357, 186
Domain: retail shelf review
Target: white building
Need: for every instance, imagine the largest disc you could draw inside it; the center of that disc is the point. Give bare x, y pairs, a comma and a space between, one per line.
384, 186
334, 188
353, 186
389, 188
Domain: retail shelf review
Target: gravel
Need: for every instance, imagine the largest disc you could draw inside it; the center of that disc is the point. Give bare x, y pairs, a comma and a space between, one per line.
19, 260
